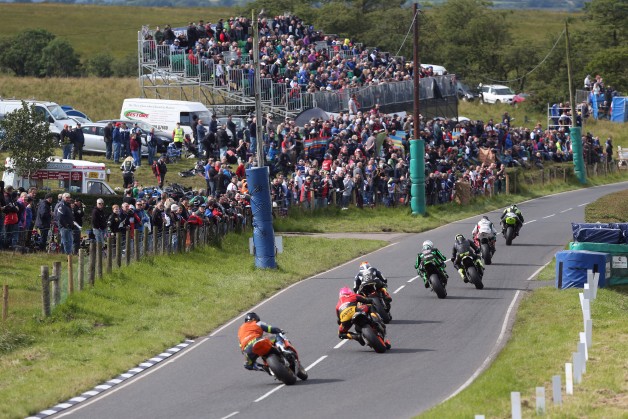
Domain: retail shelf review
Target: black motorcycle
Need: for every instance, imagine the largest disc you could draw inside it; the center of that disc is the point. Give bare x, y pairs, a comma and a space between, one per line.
433, 275
473, 270
371, 287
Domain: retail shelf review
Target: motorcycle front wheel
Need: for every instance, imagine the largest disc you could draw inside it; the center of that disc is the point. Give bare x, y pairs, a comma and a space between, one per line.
280, 371
373, 340
380, 308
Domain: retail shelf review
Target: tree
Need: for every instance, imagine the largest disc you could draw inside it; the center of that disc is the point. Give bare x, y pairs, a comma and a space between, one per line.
27, 139
610, 18
58, 59
22, 52
126, 66
100, 65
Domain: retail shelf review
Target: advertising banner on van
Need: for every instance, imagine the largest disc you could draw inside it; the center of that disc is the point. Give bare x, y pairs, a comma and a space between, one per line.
57, 175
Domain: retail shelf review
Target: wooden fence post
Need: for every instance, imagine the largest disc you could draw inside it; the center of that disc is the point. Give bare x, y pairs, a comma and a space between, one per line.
155, 241
136, 246
127, 248
98, 260
81, 268
45, 291
163, 240
145, 240
170, 245
192, 236
56, 288
177, 248
70, 275
118, 249
91, 268
109, 253
5, 301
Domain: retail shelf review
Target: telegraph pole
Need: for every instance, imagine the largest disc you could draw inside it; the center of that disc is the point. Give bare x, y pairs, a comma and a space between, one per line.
258, 89
417, 145
575, 132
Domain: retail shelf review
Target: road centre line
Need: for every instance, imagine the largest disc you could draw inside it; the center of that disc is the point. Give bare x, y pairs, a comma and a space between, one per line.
548, 216
529, 222
568, 209
230, 415
399, 289
315, 362
582, 205
412, 279
342, 342
269, 393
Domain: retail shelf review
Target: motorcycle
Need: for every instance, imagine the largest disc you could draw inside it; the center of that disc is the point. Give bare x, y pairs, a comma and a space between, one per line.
485, 242
369, 325
369, 289
473, 271
281, 359
434, 276
510, 227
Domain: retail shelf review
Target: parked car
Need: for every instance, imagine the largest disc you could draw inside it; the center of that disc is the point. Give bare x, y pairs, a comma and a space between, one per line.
464, 92
70, 111
163, 138
80, 120
496, 93
521, 97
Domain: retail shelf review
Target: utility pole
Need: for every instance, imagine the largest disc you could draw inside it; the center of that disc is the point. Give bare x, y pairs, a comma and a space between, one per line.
258, 89
575, 132
417, 145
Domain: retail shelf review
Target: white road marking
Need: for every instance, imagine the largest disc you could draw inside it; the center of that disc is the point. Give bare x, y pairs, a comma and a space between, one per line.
269, 393
501, 336
529, 222
568, 209
399, 289
315, 362
582, 205
549, 216
342, 342
230, 415
412, 279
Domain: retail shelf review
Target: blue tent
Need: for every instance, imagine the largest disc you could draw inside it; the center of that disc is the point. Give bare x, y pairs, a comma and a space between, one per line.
619, 111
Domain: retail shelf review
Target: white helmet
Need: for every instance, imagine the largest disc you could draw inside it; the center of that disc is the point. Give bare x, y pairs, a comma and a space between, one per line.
428, 245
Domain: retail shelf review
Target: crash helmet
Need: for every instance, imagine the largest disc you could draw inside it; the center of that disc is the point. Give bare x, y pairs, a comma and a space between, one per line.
485, 217
428, 245
344, 291
365, 266
251, 316
459, 238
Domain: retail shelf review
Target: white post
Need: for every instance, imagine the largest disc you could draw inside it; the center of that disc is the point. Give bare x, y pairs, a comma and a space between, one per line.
556, 390
587, 292
577, 368
583, 362
479, 417
515, 401
540, 400
569, 378
583, 339
596, 280
588, 326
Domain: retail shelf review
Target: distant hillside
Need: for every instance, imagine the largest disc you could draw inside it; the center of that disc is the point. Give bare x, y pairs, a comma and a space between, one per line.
499, 4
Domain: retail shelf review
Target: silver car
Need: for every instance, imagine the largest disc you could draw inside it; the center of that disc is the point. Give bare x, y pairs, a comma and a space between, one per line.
94, 133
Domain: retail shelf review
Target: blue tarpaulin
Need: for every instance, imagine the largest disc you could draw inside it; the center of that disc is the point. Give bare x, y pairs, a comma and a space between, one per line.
610, 233
572, 266
619, 112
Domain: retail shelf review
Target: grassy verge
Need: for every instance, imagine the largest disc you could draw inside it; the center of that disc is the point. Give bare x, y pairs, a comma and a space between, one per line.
544, 336
136, 312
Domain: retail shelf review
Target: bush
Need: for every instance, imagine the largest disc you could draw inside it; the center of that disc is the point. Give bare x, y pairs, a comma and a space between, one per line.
100, 65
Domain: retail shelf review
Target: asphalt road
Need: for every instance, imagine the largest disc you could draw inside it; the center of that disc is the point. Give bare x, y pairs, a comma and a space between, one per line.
439, 346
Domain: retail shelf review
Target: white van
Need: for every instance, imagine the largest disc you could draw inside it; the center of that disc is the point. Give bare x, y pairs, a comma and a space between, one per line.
51, 112
164, 114
75, 176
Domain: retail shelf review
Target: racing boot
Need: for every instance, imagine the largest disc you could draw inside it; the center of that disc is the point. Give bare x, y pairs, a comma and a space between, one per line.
387, 343
462, 275
352, 336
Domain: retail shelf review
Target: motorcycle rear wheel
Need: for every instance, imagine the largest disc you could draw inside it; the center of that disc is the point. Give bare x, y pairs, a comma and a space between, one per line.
373, 340
438, 286
474, 277
510, 235
279, 369
486, 254
381, 310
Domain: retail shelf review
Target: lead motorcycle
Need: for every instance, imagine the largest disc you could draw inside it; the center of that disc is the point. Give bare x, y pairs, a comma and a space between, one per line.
509, 227
485, 242
473, 270
434, 275
281, 359
368, 324
371, 287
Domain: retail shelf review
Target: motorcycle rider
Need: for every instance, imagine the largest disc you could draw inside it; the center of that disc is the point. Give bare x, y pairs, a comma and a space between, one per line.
380, 281
251, 332
513, 208
347, 299
485, 226
428, 249
462, 246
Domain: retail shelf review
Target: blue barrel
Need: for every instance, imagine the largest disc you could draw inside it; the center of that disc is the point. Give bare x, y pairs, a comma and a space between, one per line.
262, 209
572, 267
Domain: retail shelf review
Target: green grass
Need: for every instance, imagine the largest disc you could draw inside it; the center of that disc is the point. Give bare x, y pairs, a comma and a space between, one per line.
136, 312
544, 336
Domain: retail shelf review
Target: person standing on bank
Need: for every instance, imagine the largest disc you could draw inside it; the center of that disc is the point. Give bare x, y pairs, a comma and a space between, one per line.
78, 142
99, 221
177, 135
78, 211
151, 143
65, 218
108, 138
43, 219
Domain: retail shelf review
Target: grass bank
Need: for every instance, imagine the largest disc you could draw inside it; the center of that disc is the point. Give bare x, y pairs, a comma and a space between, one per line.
135, 313
544, 336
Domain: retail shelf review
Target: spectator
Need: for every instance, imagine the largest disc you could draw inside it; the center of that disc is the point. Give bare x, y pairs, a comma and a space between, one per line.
43, 219
99, 221
159, 170
65, 218
108, 138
